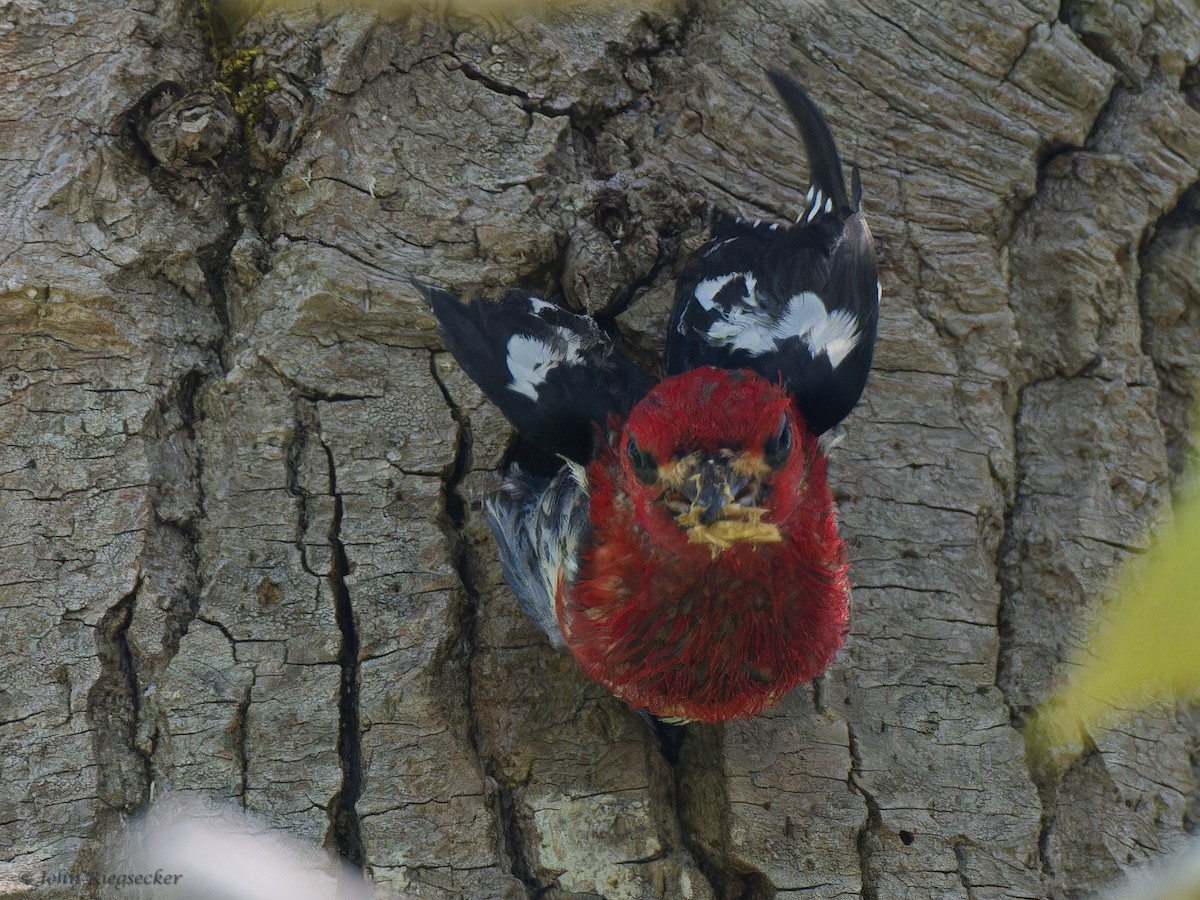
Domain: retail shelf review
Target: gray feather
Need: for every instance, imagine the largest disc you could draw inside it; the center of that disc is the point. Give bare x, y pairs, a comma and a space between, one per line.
540, 527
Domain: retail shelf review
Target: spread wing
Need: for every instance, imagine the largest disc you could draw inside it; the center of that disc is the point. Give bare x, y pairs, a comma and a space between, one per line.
551, 372
541, 527
797, 302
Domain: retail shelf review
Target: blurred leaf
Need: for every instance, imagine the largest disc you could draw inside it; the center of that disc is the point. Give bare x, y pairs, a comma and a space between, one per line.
1173, 878
1144, 649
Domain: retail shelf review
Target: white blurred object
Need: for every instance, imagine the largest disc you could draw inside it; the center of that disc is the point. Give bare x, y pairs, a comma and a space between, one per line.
222, 853
1176, 878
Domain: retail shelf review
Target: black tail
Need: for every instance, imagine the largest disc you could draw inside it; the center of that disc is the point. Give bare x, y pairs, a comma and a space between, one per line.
823, 160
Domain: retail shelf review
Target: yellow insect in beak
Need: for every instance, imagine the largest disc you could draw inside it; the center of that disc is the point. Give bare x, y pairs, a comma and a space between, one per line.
716, 499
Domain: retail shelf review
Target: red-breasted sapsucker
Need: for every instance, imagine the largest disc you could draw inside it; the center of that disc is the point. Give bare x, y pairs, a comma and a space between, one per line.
687, 553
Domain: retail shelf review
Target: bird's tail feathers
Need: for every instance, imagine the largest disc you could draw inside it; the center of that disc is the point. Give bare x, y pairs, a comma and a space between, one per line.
824, 163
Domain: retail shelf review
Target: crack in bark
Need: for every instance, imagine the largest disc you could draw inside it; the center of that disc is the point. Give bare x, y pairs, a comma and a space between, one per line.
123, 783
960, 862
1050, 151
702, 810
1006, 545
874, 823
123, 780
182, 521
501, 800
1045, 830
307, 448
293, 462
240, 732
1094, 41
669, 38
345, 825
524, 100
1174, 384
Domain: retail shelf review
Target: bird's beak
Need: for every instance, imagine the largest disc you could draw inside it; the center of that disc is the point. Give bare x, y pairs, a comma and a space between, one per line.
716, 500
711, 488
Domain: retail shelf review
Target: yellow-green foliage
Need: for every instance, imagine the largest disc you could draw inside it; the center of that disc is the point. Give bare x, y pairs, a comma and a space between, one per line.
236, 79
235, 67
1145, 648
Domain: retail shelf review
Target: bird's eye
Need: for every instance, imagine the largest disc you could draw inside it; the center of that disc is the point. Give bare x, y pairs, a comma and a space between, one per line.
779, 445
642, 462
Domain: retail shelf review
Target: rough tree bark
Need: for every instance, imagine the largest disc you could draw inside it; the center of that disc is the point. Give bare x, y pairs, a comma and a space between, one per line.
240, 543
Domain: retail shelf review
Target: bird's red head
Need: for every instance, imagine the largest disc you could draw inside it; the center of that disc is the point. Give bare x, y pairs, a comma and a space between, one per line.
716, 456
715, 581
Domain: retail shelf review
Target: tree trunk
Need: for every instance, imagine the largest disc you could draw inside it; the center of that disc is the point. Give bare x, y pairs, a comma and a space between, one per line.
242, 550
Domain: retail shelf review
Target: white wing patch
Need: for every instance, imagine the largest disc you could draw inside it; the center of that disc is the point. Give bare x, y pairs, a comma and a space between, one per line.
834, 334
540, 306
750, 328
707, 290
530, 360
710, 287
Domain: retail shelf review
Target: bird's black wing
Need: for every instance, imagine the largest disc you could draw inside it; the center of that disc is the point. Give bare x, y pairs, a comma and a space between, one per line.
794, 302
553, 374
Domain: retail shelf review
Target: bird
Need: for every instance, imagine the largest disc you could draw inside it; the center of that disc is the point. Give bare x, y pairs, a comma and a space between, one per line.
686, 552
